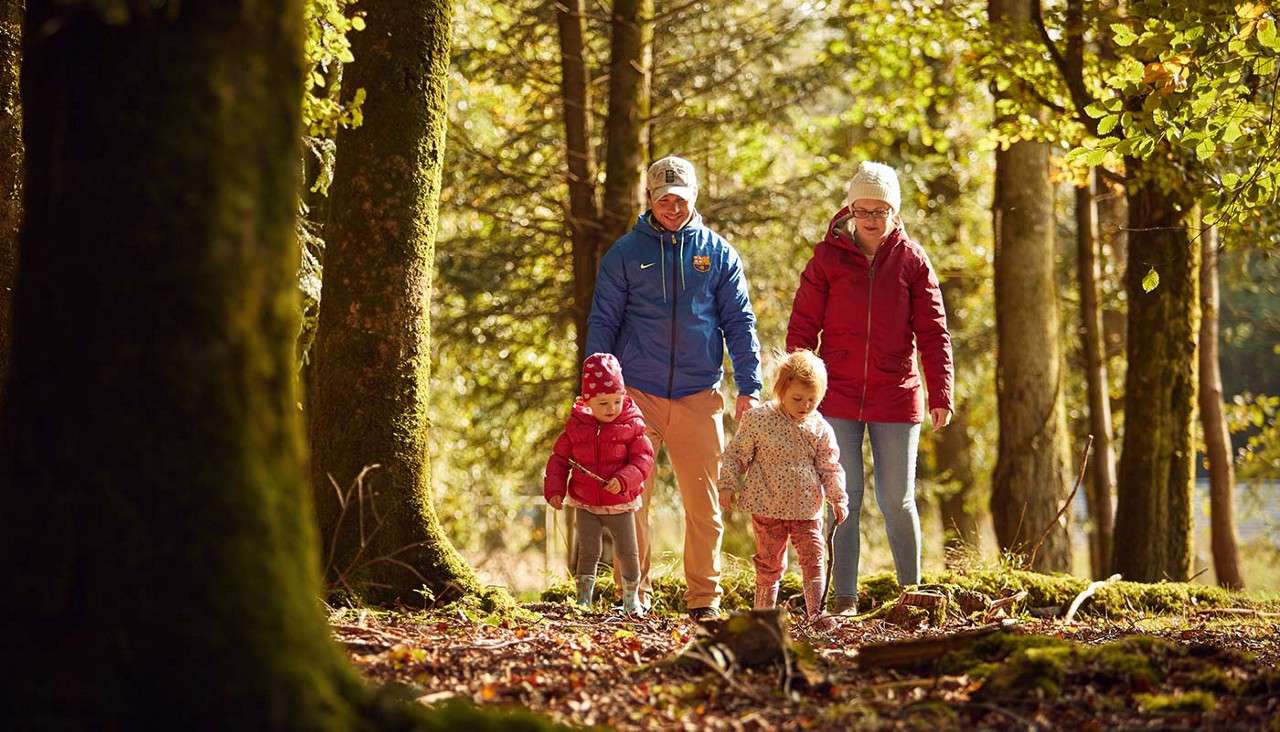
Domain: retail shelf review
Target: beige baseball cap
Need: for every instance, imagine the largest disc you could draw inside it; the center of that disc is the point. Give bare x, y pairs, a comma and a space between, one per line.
673, 175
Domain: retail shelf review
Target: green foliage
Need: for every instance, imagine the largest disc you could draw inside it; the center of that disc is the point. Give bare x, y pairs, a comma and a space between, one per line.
1178, 702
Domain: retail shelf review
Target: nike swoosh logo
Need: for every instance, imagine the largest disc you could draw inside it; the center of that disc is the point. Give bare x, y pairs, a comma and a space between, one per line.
647, 266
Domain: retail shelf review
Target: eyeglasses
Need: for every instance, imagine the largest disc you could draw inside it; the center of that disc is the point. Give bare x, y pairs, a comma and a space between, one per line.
879, 213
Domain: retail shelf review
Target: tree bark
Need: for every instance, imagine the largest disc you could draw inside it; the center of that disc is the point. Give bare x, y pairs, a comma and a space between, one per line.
372, 347
584, 213
1029, 482
1217, 439
11, 12
1102, 468
152, 448
630, 65
1153, 513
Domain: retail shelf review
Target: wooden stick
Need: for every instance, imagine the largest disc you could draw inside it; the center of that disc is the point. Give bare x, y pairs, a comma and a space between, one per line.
1084, 462
1086, 594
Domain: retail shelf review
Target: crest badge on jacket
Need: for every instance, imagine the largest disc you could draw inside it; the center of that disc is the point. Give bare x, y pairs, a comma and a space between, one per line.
702, 262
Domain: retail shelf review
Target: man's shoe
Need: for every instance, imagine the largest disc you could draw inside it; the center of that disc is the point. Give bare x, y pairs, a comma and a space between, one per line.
700, 614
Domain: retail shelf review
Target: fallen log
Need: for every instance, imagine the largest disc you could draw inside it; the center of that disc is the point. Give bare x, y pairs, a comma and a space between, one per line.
917, 651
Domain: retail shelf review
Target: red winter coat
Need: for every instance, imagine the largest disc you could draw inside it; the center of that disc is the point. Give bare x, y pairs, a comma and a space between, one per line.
617, 449
872, 313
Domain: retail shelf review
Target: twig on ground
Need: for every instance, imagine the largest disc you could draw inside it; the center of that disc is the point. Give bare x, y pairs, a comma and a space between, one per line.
1086, 594
1001, 710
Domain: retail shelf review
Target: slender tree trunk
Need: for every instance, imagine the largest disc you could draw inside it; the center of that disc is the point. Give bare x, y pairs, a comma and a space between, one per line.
1217, 440
372, 347
10, 170
1102, 467
630, 65
584, 213
154, 454
1153, 513
961, 519
1029, 483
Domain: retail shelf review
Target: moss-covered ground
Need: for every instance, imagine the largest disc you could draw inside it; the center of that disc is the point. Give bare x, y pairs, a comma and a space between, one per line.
1167, 656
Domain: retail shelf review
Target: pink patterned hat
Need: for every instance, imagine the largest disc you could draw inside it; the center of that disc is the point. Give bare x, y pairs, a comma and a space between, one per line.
602, 374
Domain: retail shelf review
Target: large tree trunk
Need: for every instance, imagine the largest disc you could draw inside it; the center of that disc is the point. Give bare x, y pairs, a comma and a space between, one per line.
630, 65
153, 451
1029, 483
372, 349
584, 213
1153, 513
1217, 440
10, 170
1102, 467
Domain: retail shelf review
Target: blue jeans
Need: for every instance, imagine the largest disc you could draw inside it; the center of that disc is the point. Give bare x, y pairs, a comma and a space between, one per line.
893, 456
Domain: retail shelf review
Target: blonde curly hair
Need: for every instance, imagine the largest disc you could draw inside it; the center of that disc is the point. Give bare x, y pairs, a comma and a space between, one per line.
801, 366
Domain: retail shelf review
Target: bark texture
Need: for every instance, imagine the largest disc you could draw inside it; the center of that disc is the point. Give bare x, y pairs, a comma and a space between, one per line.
1217, 439
1102, 466
1153, 511
153, 446
11, 12
372, 347
630, 64
584, 212
1029, 483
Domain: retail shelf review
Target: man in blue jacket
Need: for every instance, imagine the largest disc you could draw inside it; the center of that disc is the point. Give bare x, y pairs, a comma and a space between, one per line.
669, 295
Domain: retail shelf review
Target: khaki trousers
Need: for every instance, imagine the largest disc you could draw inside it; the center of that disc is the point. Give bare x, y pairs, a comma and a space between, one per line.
693, 433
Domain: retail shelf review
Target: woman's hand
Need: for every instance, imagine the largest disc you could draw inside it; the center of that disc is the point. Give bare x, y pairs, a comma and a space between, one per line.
614, 486
557, 502
941, 417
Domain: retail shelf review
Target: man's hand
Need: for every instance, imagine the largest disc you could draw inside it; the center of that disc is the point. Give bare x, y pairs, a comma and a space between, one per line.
614, 486
745, 402
941, 417
557, 502
726, 501
841, 513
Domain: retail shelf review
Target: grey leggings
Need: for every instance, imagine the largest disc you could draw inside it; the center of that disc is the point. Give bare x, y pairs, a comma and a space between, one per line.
625, 552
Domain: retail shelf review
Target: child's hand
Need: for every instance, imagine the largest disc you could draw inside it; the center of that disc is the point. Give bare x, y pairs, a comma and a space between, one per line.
841, 513
726, 501
614, 486
557, 502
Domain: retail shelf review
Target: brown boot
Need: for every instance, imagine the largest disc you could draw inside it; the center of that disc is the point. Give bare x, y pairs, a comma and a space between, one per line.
844, 605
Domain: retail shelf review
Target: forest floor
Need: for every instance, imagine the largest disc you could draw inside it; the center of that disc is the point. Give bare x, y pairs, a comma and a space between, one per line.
1135, 657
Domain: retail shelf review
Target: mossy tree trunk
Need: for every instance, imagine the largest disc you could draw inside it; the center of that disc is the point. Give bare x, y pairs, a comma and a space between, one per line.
1153, 512
1217, 439
164, 567
372, 347
1029, 482
10, 169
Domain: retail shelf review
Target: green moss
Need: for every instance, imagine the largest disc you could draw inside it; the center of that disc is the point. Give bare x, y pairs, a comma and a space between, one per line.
1210, 678
1190, 701
877, 589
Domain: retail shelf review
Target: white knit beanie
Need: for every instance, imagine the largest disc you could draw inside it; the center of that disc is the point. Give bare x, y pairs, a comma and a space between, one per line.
876, 181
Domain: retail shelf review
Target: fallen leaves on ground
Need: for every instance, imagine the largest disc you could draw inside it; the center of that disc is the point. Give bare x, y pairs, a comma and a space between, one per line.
606, 669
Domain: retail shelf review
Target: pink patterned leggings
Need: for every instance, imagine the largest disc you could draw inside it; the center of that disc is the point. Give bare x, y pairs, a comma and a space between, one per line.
771, 558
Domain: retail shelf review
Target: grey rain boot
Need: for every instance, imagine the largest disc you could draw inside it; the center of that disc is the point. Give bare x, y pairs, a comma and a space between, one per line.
631, 598
586, 588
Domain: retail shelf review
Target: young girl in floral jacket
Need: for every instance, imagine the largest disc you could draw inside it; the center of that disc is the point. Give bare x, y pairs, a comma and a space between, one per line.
785, 454
598, 468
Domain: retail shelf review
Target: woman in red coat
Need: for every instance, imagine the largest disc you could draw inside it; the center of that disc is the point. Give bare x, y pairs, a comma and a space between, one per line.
867, 301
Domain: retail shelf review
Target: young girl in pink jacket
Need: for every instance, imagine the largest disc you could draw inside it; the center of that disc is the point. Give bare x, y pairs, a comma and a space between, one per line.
785, 455
597, 468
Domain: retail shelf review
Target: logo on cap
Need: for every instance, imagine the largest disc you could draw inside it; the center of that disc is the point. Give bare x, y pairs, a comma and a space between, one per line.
671, 175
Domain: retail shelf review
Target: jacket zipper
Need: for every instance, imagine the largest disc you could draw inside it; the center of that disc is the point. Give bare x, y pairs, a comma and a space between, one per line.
671, 370
596, 463
866, 351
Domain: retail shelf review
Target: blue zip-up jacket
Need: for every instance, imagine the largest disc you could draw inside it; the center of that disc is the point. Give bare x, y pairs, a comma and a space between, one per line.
666, 303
